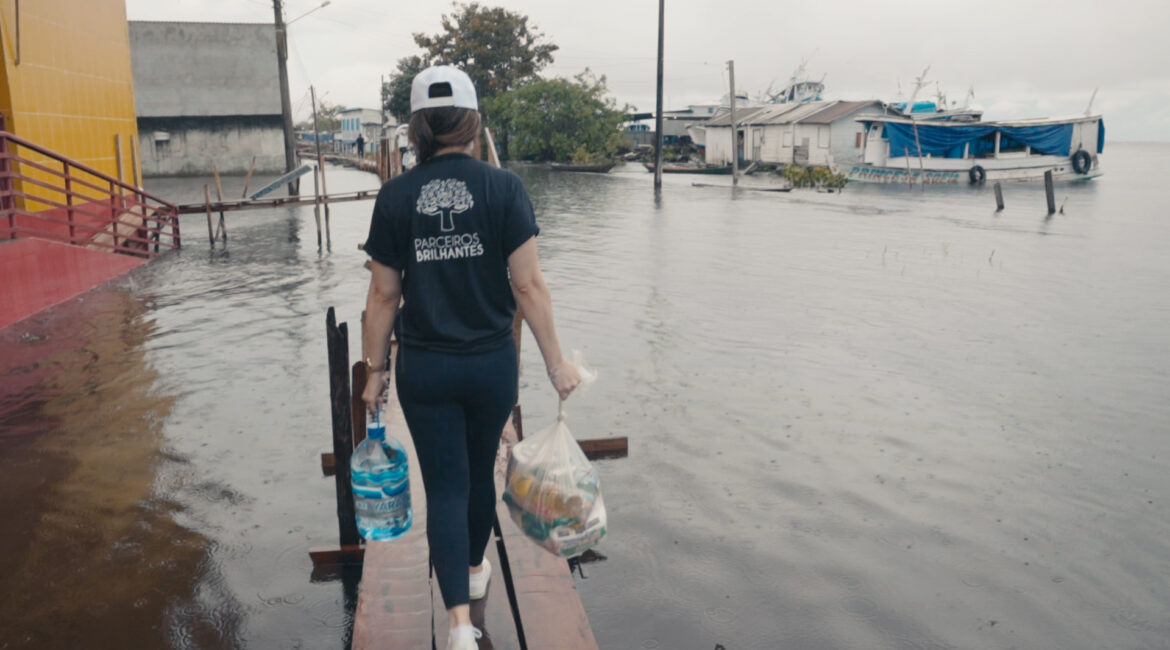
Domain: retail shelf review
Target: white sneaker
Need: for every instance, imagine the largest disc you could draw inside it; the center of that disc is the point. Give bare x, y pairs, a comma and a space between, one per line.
463, 638
478, 582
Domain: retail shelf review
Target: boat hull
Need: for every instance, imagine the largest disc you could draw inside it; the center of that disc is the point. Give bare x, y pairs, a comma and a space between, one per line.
597, 169
958, 172
681, 169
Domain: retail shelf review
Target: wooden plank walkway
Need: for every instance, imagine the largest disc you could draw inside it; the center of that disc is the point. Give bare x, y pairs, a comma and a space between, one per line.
394, 598
399, 608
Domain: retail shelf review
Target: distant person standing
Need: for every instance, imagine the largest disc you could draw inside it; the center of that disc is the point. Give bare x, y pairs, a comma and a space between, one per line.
361, 145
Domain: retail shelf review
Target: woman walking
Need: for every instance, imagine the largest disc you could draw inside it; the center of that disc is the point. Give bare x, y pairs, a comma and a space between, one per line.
455, 240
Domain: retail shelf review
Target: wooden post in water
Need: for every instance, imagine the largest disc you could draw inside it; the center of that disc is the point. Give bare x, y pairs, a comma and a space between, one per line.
998, 197
357, 404
134, 163
222, 226
207, 202
734, 130
658, 114
248, 178
324, 195
317, 203
384, 159
909, 174
337, 339
918, 144
1050, 192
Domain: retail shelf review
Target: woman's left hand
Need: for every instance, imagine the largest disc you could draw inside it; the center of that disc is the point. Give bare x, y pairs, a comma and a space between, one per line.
565, 377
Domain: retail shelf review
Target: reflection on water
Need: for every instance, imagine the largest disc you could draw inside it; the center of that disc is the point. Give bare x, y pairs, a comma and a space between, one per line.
878, 419
91, 556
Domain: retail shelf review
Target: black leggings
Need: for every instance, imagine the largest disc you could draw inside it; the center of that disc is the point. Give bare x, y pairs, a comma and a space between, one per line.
456, 407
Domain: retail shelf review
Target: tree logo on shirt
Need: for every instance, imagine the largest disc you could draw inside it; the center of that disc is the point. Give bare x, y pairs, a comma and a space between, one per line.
444, 199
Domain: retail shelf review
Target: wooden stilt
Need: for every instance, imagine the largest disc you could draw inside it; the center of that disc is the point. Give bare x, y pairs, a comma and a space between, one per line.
1050, 192
317, 203
207, 202
248, 178
221, 228
998, 197
357, 405
337, 338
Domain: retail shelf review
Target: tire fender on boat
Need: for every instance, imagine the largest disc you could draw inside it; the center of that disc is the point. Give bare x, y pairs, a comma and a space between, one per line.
1082, 162
977, 175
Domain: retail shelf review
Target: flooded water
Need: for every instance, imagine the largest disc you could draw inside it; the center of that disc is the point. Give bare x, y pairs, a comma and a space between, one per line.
885, 418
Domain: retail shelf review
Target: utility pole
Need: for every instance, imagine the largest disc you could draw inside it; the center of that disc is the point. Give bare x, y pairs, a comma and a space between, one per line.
290, 153
316, 131
734, 130
658, 115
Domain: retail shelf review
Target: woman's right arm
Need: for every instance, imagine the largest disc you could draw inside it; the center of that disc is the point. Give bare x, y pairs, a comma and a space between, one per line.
535, 302
381, 308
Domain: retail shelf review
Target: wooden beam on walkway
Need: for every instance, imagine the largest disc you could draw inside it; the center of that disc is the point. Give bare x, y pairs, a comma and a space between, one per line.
279, 202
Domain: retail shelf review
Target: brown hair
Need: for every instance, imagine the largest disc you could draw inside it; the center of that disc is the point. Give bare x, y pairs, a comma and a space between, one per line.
432, 129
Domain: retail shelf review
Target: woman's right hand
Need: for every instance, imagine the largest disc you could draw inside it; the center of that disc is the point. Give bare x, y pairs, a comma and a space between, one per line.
375, 387
565, 377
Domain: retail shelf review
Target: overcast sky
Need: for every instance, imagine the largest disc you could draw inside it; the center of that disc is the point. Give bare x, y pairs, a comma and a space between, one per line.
1024, 58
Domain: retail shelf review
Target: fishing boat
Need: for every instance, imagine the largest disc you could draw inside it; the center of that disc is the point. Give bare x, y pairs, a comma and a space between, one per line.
691, 169
898, 149
569, 167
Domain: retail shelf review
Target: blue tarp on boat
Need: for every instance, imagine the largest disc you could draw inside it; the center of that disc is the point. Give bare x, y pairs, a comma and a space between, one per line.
949, 141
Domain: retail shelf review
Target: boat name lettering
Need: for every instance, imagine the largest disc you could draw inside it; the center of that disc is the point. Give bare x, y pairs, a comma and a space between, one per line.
887, 175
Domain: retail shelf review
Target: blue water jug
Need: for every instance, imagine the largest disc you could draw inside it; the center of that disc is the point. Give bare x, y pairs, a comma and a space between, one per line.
381, 485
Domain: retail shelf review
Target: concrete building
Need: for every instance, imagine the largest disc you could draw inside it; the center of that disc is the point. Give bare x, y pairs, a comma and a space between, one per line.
207, 94
813, 134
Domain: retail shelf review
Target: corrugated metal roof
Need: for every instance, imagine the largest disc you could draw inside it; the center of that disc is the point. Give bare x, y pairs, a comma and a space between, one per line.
772, 114
798, 113
742, 116
831, 114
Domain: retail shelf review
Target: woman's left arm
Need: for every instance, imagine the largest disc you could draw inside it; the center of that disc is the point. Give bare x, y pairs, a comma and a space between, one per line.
381, 308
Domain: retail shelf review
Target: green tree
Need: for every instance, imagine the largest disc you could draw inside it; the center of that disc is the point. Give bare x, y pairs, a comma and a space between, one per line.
396, 91
327, 119
495, 47
561, 119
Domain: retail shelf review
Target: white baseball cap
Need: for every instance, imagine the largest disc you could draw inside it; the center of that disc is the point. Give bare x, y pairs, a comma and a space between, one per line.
442, 85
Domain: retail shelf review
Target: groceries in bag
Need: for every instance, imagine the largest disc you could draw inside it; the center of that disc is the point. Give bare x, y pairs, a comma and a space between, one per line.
380, 476
553, 492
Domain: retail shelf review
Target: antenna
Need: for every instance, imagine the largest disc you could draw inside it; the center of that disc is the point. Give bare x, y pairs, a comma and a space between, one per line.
1089, 108
918, 84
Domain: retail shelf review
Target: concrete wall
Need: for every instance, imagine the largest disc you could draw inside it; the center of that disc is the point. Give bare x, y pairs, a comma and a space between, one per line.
190, 146
207, 94
204, 69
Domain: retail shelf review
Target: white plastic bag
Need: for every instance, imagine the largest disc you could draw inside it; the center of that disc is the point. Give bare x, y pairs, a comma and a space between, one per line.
553, 492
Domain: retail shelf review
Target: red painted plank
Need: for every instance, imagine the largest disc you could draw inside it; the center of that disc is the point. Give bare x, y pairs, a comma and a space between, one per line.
38, 274
492, 615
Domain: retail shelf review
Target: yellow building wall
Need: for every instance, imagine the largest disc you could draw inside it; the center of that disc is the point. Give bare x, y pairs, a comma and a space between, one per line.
67, 83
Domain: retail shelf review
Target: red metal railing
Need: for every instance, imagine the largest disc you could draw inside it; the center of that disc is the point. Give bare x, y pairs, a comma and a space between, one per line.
55, 198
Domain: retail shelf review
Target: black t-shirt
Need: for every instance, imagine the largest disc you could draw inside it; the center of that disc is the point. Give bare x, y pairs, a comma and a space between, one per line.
449, 225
